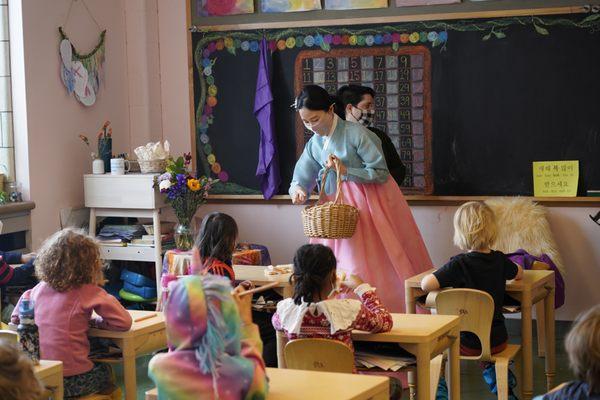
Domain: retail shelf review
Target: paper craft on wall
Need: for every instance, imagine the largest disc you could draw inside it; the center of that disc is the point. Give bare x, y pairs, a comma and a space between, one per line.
273, 6
81, 73
354, 4
207, 8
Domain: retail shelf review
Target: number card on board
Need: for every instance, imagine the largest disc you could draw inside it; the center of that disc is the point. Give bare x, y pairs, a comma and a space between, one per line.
402, 83
555, 178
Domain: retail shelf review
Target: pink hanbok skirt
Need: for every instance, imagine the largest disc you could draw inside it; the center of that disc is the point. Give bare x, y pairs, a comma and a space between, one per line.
387, 247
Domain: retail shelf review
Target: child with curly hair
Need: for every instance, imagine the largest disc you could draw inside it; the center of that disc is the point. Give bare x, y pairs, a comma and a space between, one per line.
70, 272
17, 381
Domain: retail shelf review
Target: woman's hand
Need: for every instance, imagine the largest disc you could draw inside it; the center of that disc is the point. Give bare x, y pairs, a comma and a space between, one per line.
299, 196
244, 304
352, 282
331, 160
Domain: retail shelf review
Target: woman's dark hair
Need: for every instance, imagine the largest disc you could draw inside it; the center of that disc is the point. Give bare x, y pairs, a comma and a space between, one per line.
350, 94
313, 264
314, 98
217, 237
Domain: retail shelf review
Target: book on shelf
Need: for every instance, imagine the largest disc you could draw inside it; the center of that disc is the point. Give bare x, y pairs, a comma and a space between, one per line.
111, 242
149, 242
164, 237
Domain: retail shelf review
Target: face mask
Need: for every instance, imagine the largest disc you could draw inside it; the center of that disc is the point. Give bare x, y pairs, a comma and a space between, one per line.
320, 127
316, 128
365, 118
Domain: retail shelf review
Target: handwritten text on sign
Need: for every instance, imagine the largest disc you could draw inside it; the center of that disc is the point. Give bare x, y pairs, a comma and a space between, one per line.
555, 178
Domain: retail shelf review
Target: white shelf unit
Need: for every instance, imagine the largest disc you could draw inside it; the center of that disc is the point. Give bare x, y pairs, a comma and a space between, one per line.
130, 195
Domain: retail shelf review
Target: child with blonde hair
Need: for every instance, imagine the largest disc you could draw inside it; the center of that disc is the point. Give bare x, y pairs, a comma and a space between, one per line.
70, 272
479, 268
583, 348
17, 381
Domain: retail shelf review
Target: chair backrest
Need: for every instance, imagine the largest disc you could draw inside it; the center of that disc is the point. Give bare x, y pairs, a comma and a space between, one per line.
476, 311
9, 336
319, 355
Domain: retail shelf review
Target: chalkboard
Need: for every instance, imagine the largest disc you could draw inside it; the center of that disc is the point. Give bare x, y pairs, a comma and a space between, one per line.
503, 93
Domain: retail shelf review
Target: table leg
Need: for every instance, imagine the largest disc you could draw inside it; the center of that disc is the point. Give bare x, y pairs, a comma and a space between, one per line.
129, 377
410, 300
454, 365
550, 339
92, 228
157, 253
527, 348
423, 372
55, 383
540, 318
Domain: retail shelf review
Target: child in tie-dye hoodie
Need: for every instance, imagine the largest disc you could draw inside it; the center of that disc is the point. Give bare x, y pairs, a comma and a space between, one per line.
214, 348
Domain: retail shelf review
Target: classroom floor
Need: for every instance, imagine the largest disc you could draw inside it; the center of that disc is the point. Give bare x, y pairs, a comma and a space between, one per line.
472, 385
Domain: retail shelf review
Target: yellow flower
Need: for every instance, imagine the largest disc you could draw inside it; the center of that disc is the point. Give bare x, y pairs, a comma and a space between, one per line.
194, 184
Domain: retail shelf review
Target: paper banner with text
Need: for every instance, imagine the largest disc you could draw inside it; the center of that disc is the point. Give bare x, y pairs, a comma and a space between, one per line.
555, 178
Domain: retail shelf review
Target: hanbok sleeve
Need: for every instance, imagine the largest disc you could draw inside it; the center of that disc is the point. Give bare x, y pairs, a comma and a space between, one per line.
374, 169
306, 171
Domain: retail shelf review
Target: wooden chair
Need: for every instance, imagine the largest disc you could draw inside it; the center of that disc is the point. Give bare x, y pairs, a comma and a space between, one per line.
476, 309
319, 355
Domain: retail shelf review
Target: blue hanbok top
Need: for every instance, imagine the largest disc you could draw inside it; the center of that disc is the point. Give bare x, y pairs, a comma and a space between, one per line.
356, 146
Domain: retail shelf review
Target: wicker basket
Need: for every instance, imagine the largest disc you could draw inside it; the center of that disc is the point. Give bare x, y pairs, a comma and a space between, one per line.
333, 219
152, 166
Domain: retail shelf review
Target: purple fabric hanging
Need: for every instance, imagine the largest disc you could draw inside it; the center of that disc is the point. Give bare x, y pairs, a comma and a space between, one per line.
525, 260
268, 161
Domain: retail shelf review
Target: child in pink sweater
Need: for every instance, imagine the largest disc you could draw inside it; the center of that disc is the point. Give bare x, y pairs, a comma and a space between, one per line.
70, 272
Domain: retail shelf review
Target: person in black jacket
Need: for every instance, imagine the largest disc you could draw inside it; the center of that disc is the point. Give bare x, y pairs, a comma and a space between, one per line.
357, 104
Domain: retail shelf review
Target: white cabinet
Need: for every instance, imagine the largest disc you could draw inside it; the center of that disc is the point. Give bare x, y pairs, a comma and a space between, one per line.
130, 195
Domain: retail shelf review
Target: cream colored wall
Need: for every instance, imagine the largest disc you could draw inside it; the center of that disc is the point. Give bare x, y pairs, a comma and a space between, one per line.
56, 157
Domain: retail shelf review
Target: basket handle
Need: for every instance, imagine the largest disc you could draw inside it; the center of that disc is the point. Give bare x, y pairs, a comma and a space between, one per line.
338, 192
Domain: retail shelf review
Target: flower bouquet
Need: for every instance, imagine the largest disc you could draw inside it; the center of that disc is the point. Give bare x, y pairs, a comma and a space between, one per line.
185, 193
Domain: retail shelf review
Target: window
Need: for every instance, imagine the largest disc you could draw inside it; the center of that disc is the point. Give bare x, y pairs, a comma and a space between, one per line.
7, 149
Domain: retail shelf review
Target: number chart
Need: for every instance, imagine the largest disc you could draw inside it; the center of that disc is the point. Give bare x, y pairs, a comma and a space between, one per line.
401, 81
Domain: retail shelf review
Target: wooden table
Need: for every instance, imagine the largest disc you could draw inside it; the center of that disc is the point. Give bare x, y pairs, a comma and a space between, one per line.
291, 384
51, 375
256, 274
534, 287
145, 336
424, 336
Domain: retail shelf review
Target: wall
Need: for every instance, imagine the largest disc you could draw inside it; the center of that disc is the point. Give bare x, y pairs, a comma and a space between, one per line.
56, 156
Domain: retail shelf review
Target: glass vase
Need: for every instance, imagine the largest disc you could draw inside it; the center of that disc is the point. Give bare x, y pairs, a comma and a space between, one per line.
184, 236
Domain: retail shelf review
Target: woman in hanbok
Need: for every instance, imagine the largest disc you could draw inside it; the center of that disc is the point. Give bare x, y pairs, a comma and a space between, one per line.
387, 247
